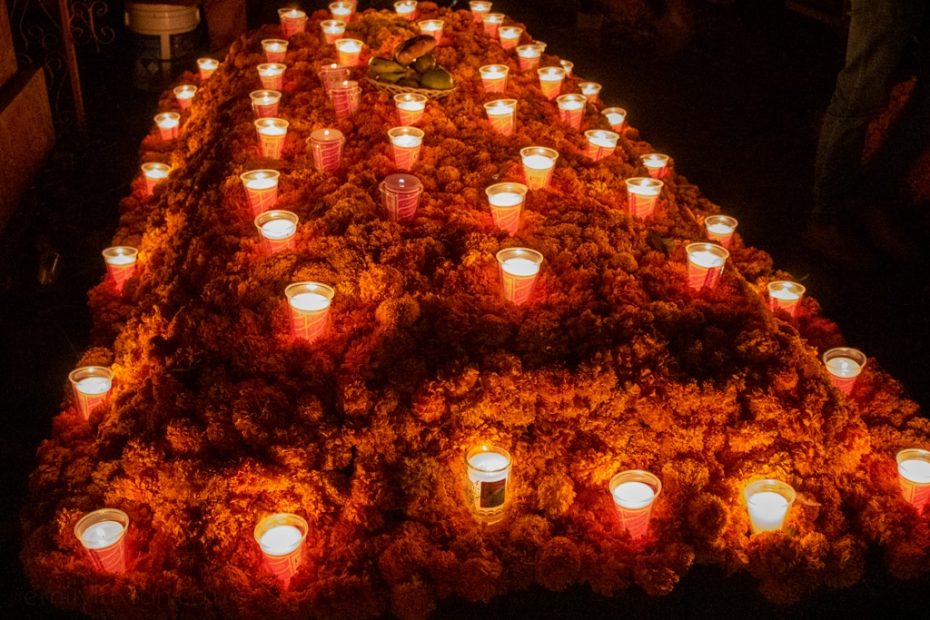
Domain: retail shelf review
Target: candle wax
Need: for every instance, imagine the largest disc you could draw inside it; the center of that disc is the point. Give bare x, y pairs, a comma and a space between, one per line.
604, 143
102, 534
406, 141
633, 495
703, 258
280, 540
722, 229
411, 106
538, 162
768, 510
843, 367
309, 302
262, 183
915, 470
615, 119
520, 267
490, 466
94, 385
571, 105
784, 294
506, 199
278, 229
120, 259
272, 130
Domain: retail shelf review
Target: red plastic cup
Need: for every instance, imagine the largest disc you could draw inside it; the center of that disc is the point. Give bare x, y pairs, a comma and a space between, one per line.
601, 143
271, 135
332, 75
292, 21
206, 67
506, 201
509, 36
102, 533
720, 228
529, 56
169, 124
494, 78
326, 147
265, 103
332, 29
844, 364
656, 164
348, 52
277, 229
914, 476
405, 146
785, 295
275, 50
519, 269
591, 90
346, 97
487, 480
407, 9
571, 109
502, 114
410, 108
705, 264
432, 27
91, 387
538, 165
400, 195
309, 303
342, 10
184, 95
643, 196
550, 81
479, 9
282, 537
154, 173
272, 75
492, 22
261, 189
634, 492
121, 264
616, 117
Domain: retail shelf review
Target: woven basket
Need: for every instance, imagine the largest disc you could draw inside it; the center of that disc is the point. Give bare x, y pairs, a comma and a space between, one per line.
394, 89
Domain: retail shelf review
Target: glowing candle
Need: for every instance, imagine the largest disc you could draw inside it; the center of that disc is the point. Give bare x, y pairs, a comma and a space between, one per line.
91, 387
571, 109
184, 95
914, 476
540, 45
488, 476
509, 36
348, 52
615, 116
281, 537
492, 22
261, 189
154, 173
121, 264
265, 103
272, 75
271, 135
342, 10
405, 146
785, 295
494, 78
333, 29
591, 90
346, 97
643, 195
768, 502
410, 108
406, 9
529, 55
400, 195
326, 147
432, 27
207, 66
102, 534
656, 164
309, 303
168, 124
568, 65
843, 366
720, 228
292, 21
550, 81
519, 268
502, 114
601, 143
479, 10
634, 491
538, 165
333, 75
275, 49
506, 200
705, 264
278, 229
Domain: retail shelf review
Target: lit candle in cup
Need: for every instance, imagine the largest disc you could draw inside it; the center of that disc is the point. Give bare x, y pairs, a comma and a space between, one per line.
768, 502
615, 116
571, 109
785, 295
346, 97
591, 90
332, 75
278, 229
634, 491
529, 56
410, 108
720, 228
272, 75
292, 21
914, 476
265, 103
506, 200
492, 22
275, 49
184, 95
538, 165
271, 135
348, 52
432, 27
121, 264
281, 537
550, 81
154, 173
844, 365
519, 268
509, 36
91, 387
502, 114
405, 146
568, 65
342, 10
168, 124
207, 66
102, 533
488, 476
540, 45
656, 164
261, 189
406, 9
326, 147
309, 303
400, 195
478, 10
494, 78
705, 264
601, 143
333, 29
643, 195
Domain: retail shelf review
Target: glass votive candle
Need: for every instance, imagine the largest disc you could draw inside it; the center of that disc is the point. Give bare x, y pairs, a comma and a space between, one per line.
634, 491
502, 114
571, 109
271, 135
568, 65
154, 173
206, 67
844, 364
405, 146
342, 10
768, 502
494, 78
656, 164
272, 75
265, 102
785, 295
914, 476
309, 303
550, 81
103, 535
705, 264
281, 538
400, 195
506, 200
720, 228
432, 27
184, 95
615, 116
121, 264
261, 189
509, 36
478, 10
326, 147
91, 387
529, 56
492, 22
406, 9
275, 49
519, 268
591, 90
538, 165
488, 475
333, 29
643, 195
346, 97
278, 229
410, 108
292, 21
168, 124
348, 52
332, 75
601, 143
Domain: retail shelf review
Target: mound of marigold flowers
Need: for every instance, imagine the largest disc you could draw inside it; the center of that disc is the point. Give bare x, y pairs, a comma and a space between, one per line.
217, 417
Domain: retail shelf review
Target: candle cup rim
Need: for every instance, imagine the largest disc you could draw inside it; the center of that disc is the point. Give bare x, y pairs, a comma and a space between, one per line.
316, 134
286, 10
772, 485
265, 92
266, 42
479, 3
912, 454
514, 187
660, 156
271, 65
571, 97
183, 88
276, 214
644, 182
89, 371
486, 448
799, 288
545, 151
519, 252
405, 3
496, 67
97, 516
155, 165
614, 110
332, 22
207, 60
405, 130
706, 246
309, 286
431, 21
726, 220
410, 97
596, 85
167, 115
275, 520
262, 123
500, 102
854, 354
516, 29
551, 69
637, 475
527, 47
125, 250
495, 17
270, 174
602, 133
343, 41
